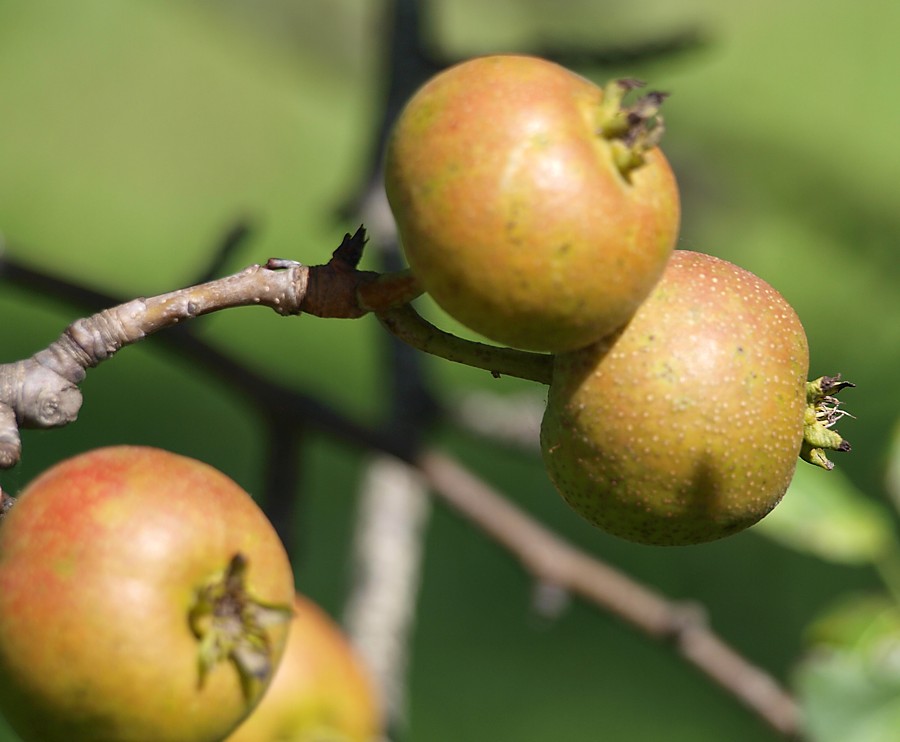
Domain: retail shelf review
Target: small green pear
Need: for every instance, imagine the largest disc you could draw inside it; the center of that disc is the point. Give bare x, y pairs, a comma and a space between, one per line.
686, 425
533, 206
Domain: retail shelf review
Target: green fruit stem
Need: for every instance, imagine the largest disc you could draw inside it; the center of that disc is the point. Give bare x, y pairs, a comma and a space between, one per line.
822, 413
630, 130
231, 626
410, 327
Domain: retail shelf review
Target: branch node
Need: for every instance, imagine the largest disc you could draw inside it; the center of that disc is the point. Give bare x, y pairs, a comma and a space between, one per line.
101, 335
333, 288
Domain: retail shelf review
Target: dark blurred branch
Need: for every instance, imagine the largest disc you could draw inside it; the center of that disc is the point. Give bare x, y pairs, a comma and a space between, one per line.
393, 511
665, 47
283, 475
282, 471
406, 63
231, 241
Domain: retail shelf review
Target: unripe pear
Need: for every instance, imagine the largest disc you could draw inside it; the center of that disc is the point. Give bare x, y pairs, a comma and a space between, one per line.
533, 205
686, 425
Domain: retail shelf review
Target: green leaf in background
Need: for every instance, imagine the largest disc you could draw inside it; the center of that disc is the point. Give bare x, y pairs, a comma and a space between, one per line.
849, 684
824, 514
892, 475
856, 621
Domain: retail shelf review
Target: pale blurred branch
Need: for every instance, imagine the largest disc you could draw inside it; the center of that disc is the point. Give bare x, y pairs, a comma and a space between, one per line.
389, 544
512, 420
552, 560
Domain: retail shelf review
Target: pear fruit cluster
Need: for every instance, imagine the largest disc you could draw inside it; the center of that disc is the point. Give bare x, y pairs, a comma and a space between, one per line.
538, 210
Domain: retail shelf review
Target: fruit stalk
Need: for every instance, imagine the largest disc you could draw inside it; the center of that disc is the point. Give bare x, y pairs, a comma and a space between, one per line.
410, 327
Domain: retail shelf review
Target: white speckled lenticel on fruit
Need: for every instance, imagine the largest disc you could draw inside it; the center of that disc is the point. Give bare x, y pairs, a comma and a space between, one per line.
686, 426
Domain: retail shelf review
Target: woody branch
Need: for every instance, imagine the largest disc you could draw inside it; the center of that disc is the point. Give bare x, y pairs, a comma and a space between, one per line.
42, 391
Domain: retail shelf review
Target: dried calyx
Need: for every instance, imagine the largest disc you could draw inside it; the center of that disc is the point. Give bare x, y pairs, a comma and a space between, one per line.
231, 625
823, 410
631, 130
6, 503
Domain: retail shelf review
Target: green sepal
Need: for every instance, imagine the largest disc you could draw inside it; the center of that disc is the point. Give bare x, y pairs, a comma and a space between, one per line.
630, 130
822, 413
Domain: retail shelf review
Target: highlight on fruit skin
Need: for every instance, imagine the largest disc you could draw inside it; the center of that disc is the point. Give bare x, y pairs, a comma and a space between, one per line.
534, 206
321, 691
685, 427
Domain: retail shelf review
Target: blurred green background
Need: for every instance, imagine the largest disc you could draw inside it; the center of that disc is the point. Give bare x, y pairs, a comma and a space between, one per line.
134, 133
